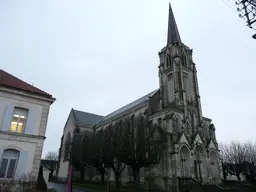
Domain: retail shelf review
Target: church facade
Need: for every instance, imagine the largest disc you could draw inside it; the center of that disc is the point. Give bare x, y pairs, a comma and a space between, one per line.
192, 149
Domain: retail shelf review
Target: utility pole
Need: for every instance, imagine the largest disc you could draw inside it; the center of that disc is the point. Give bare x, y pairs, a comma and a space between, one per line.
247, 10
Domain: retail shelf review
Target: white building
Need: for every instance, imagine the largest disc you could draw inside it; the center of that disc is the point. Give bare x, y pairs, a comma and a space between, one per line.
24, 113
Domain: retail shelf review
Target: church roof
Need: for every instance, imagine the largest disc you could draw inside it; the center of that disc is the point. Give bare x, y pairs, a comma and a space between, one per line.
10, 81
84, 118
173, 32
127, 108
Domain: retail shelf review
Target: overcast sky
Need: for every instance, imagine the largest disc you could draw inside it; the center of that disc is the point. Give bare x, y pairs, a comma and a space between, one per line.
97, 56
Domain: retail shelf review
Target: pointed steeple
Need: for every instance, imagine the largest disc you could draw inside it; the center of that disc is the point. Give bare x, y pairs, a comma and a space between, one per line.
173, 32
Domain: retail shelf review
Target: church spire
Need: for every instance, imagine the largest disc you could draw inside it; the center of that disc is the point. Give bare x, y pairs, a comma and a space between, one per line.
173, 32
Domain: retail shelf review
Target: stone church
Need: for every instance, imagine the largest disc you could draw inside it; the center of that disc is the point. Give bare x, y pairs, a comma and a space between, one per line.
176, 105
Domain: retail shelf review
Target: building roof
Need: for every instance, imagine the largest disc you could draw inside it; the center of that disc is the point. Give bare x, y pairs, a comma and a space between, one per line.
128, 108
84, 118
173, 32
10, 81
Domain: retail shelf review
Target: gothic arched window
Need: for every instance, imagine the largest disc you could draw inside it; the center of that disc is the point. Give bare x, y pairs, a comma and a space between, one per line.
200, 160
67, 147
174, 119
159, 122
184, 60
185, 161
168, 61
178, 124
214, 165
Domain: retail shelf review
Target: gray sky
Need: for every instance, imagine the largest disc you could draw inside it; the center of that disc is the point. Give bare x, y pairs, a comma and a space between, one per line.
97, 56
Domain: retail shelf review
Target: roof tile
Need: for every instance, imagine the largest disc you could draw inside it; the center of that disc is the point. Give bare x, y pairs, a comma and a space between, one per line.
84, 118
9, 80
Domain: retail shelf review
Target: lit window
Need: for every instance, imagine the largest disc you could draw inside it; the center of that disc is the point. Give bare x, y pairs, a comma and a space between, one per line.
8, 163
19, 120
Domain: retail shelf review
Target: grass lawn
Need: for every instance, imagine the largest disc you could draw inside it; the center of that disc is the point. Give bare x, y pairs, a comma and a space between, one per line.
112, 188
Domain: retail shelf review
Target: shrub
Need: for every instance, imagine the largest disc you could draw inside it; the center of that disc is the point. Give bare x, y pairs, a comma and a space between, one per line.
41, 184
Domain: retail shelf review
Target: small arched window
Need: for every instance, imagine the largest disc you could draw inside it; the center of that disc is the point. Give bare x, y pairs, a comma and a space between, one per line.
178, 124
184, 61
8, 163
67, 147
168, 61
160, 123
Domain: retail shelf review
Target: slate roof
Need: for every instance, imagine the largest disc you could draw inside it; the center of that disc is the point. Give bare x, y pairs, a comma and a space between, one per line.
10, 81
84, 118
127, 108
173, 32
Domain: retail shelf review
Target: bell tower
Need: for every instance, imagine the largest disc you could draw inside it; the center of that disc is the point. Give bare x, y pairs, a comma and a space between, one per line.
178, 76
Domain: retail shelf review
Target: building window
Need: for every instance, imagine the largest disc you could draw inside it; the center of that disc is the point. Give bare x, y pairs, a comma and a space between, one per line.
19, 119
168, 61
184, 61
67, 147
8, 163
169, 77
159, 122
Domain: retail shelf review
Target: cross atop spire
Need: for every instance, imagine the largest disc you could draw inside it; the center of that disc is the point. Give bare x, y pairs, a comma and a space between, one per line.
173, 32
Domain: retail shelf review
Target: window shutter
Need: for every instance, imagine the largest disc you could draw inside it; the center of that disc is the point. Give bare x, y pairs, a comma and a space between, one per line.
7, 117
21, 165
31, 123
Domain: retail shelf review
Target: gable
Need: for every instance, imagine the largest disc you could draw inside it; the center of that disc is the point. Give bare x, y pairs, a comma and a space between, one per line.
198, 140
183, 139
212, 145
70, 124
86, 119
187, 121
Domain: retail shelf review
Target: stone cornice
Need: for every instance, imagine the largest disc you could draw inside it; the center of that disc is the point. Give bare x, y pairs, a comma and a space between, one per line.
164, 111
207, 119
21, 93
158, 113
6, 135
169, 69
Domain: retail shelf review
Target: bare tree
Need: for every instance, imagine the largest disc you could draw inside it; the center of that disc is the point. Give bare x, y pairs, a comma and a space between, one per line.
50, 162
52, 155
102, 149
250, 151
239, 158
114, 148
143, 143
94, 150
76, 152
137, 143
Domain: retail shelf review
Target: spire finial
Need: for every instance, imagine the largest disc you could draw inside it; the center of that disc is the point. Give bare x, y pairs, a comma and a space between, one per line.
173, 32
